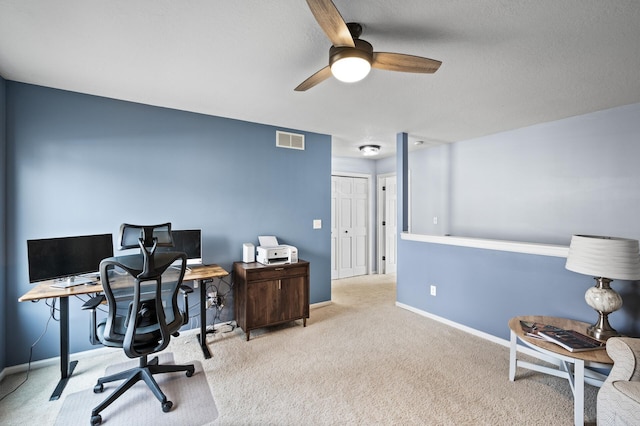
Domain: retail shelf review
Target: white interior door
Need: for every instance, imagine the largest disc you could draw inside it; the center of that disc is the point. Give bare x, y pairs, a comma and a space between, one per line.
360, 197
349, 226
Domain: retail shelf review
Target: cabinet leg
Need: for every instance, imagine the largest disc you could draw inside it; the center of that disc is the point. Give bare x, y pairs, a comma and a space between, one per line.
304, 321
248, 336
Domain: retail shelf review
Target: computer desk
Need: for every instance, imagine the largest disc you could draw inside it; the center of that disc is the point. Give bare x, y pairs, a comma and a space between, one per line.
43, 290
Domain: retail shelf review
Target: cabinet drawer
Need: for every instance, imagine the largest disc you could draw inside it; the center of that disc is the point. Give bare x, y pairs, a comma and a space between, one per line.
276, 273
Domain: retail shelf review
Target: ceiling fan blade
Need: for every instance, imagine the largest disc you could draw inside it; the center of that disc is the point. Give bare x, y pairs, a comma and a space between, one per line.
404, 63
331, 22
317, 78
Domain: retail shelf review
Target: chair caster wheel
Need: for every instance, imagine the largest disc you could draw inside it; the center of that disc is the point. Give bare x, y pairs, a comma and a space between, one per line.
96, 420
166, 406
190, 372
98, 389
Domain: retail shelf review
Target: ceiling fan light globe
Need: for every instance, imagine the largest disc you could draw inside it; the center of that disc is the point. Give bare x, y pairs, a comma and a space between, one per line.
350, 69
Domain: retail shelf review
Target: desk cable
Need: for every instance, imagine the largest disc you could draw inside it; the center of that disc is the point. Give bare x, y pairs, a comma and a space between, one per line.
51, 303
52, 306
216, 301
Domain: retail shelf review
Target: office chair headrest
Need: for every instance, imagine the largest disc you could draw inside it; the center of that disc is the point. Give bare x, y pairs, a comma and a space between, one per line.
131, 235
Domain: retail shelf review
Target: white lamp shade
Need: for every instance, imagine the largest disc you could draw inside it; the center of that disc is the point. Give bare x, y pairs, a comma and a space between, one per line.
606, 257
350, 69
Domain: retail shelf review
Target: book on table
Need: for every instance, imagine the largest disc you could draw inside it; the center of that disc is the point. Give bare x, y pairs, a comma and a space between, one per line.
572, 340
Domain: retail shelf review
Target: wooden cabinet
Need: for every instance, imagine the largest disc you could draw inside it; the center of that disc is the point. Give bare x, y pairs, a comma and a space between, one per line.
270, 294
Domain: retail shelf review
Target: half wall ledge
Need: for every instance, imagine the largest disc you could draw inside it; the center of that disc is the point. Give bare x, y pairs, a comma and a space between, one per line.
500, 245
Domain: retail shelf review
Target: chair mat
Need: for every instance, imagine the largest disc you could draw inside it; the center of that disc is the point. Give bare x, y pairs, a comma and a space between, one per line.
193, 402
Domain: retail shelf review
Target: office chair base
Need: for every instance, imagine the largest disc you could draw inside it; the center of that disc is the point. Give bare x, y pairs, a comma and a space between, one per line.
144, 372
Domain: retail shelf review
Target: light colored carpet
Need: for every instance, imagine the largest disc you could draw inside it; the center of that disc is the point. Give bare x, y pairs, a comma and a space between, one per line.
191, 397
360, 360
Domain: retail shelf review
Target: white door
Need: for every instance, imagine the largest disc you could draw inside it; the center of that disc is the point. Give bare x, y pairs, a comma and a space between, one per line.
349, 226
391, 225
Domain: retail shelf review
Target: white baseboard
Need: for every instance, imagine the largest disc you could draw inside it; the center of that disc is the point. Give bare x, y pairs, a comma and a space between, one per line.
320, 304
97, 351
76, 356
102, 349
481, 334
52, 361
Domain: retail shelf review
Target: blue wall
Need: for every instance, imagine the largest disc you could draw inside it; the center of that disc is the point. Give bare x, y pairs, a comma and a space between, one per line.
538, 184
80, 164
3, 262
483, 289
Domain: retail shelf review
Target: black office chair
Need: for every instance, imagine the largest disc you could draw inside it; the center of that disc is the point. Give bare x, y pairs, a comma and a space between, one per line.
142, 292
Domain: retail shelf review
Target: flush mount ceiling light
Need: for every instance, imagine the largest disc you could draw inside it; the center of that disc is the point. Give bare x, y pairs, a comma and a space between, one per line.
369, 150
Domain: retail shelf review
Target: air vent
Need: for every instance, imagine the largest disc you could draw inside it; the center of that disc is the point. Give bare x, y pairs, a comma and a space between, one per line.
289, 140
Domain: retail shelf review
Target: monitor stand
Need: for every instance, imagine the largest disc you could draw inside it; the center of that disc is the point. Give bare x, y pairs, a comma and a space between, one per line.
71, 282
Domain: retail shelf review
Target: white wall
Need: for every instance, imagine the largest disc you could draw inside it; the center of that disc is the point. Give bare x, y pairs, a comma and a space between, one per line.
538, 184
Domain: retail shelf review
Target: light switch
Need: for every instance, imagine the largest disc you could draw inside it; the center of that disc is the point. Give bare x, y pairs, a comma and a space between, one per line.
317, 224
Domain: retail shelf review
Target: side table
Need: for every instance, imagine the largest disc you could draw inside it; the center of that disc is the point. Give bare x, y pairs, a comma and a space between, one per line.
576, 367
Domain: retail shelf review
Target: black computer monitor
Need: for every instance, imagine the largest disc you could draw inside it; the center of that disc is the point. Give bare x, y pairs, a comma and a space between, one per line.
188, 241
67, 257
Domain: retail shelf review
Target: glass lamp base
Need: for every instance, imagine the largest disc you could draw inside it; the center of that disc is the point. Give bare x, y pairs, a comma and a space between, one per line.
604, 300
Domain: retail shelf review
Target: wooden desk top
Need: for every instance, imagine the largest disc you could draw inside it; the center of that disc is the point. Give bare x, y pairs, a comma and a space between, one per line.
43, 290
204, 272
598, 355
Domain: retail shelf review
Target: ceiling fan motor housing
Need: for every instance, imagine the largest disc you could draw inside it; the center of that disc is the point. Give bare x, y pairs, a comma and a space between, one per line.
362, 50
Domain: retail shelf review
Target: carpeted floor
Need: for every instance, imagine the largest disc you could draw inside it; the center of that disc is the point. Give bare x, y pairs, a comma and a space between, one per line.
360, 360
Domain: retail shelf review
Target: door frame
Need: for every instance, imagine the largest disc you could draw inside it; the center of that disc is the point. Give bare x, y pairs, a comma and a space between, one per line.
379, 216
371, 218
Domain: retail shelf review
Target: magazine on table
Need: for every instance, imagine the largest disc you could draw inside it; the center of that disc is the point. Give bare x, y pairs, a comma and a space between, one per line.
572, 340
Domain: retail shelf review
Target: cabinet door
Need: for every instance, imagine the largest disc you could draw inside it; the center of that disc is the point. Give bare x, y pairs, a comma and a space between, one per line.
263, 300
292, 298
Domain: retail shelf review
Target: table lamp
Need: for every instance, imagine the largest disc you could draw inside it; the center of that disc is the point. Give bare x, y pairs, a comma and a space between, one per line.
606, 259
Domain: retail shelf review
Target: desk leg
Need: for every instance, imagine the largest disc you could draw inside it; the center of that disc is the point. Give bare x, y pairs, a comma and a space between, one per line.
202, 336
578, 394
66, 368
513, 356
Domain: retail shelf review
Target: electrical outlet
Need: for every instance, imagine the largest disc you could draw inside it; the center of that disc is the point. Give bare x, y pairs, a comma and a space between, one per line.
433, 290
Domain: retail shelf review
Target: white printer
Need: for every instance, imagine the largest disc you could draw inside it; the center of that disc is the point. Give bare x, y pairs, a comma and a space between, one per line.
269, 252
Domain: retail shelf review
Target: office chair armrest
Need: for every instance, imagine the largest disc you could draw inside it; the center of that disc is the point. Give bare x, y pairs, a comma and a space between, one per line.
185, 290
92, 304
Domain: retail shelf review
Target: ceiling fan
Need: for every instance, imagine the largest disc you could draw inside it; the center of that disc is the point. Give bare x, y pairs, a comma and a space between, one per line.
350, 58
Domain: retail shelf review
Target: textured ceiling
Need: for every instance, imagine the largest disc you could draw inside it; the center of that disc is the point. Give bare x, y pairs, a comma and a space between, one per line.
506, 63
